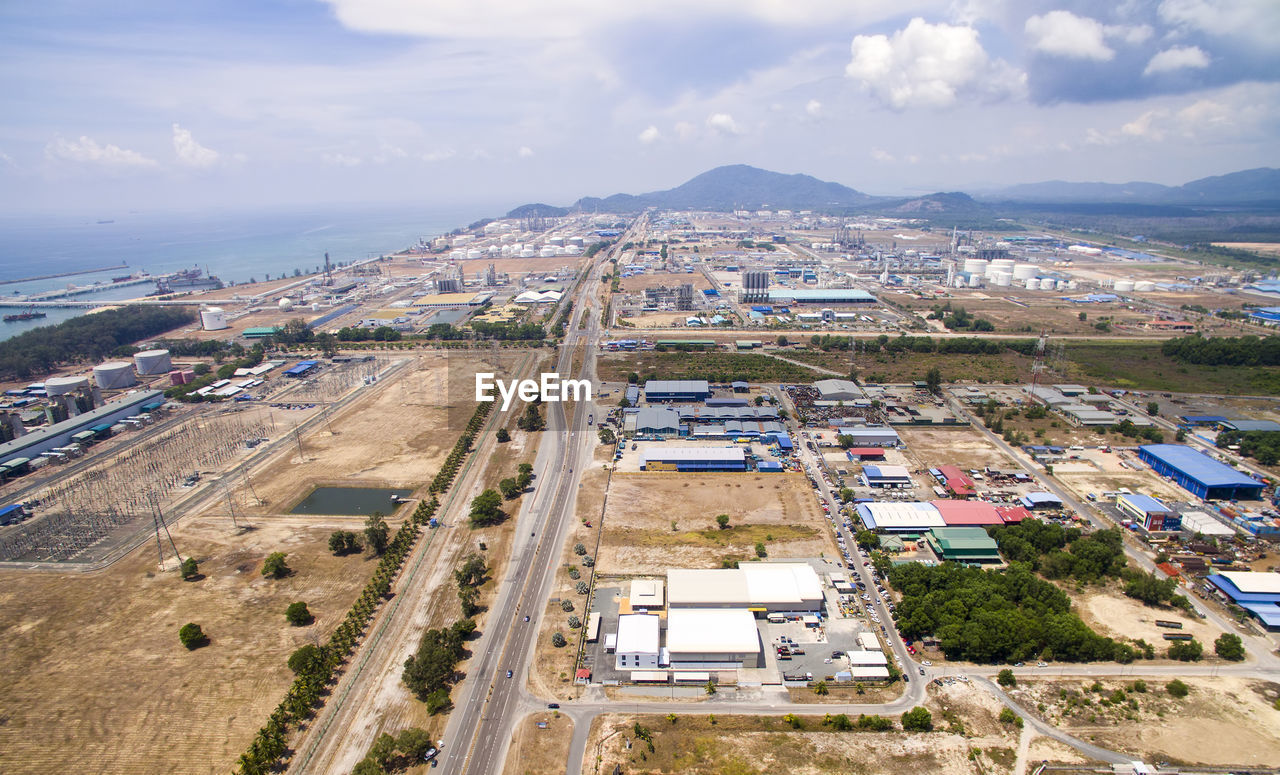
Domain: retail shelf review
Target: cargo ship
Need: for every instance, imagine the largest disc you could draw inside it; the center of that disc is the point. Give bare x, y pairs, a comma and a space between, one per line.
188, 279
29, 314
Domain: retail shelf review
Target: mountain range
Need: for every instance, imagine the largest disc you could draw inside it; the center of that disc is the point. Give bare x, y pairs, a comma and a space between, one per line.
742, 187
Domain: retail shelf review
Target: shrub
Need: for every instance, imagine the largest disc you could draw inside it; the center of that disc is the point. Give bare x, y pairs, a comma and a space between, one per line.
275, 567
1229, 646
566, 605
190, 569
557, 640
1006, 678
1177, 688
298, 615
192, 636
918, 719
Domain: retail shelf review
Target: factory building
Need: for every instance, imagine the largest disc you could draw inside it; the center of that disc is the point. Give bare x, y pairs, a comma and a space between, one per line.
652, 421
33, 444
1194, 522
870, 435
676, 390
759, 587
838, 390
1041, 500
967, 545
1148, 512
917, 517
1257, 593
788, 296
755, 285
1202, 475
693, 459
647, 594
638, 645
956, 481
885, 476
712, 638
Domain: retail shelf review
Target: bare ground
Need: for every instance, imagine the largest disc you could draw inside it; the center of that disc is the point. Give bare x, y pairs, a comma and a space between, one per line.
535, 751
776, 509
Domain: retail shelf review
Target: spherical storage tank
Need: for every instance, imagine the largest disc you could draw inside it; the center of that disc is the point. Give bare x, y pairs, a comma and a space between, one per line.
286, 304
1024, 271
114, 375
213, 319
1124, 286
60, 386
152, 362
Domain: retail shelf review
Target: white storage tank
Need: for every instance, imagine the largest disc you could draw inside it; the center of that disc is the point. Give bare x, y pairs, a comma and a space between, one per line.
1124, 286
1072, 285
1031, 283
975, 265
975, 281
1002, 265
153, 362
1024, 271
474, 253
114, 375
1144, 286
213, 319
286, 304
60, 386
1003, 279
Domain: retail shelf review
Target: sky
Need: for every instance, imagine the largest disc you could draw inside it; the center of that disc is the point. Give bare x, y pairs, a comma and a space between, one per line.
256, 103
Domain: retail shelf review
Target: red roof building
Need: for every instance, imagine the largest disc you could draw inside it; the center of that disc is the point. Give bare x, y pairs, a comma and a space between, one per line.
957, 483
866, 453
1012, 513
958, 513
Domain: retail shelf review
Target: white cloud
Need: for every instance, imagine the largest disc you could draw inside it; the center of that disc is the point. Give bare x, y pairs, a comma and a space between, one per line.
6, 158
881, 155
723, 124
525, 152
650, 135
191, 153
930, 65
1146, 126
1255, 20
88, 151
1135, 35
438, 155
1062, 33
1177, 58
813, 108
685, 130
342, 160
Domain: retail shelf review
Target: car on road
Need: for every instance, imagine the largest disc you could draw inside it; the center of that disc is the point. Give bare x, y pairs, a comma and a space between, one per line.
922, 671
430, 754
1019, 664
927, 663
553, 706
508, 674
526, 618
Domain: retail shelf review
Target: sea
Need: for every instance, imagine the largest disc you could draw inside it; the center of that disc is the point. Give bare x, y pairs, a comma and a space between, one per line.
236, 246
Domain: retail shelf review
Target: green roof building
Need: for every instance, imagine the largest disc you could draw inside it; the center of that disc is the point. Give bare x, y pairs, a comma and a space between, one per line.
261, 332
968, 545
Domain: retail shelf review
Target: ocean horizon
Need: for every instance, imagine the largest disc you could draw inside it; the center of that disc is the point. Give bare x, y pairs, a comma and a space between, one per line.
237, 247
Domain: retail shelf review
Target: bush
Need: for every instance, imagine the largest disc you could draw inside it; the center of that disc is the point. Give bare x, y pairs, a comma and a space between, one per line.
582, 588
574, 622
274, 567
308, 659
190, 569
298, 615
192, 636
557, 640
1229, 646
1006, 678
1177, 688
1007, 716
579, 549
503, 436
566, 605
1186, 650
918, 719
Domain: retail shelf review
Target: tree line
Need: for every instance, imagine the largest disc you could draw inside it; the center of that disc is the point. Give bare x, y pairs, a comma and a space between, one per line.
88, 337
1224, 350
1263, 446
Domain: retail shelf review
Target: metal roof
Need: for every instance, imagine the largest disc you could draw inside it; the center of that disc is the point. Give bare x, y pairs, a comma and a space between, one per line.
88, 420
677, 386
1252, 425
662, 454
900, 516
1253, 583
712, 631
1198, 466
1144, 503
963, 539
638, 634
956, 512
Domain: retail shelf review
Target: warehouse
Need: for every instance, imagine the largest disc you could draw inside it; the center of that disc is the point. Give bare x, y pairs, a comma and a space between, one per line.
1149, 512
677, 390
885, 476
768, 587
1199, 473
637, 643
646, 594
870, 435
1257, 593
899, 517
693, 459
1041, 500
838, 390
652, 421
61, 434
1194, 522
966, 545
956, 513
712, 638
1246, 426
301, 369
788, 296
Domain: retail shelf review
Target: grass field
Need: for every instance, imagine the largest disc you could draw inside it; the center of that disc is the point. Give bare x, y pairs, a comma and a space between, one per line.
1143, 366
713, 366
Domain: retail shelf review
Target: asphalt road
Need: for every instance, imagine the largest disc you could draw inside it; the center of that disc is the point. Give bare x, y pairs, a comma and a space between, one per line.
490, 703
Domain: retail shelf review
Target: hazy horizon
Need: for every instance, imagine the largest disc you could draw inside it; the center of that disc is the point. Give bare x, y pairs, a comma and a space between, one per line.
344, 103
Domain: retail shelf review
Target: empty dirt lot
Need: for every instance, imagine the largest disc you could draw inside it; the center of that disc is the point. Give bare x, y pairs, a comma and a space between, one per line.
1117, 616
536, 750
779, 510
958, 447
93, 678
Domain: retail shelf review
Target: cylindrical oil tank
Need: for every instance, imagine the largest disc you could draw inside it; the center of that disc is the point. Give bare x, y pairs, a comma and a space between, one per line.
152, 362
1144, 286
1003, 279
1031, 283
1003, 265
975, 281
114, 375
1124, 286
60, 386
213, 319
975, 265
1024, 271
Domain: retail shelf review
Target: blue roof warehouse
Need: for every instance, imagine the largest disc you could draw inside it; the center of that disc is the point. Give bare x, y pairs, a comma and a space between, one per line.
1199, 473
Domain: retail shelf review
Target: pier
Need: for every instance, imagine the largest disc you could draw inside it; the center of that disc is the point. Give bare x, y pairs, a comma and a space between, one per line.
64, 274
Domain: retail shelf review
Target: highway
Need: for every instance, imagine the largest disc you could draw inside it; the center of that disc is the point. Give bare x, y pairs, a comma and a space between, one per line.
490, 703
